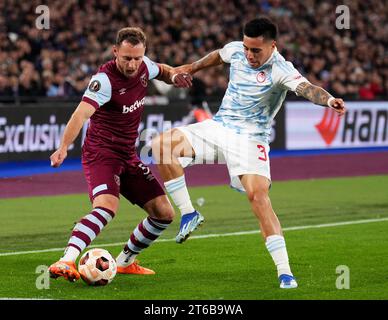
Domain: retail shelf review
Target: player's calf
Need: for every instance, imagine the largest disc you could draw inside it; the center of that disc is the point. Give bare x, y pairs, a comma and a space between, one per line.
142, 237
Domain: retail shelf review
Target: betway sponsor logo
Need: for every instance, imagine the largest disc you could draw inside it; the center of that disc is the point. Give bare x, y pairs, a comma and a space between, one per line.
27, 136
135, 106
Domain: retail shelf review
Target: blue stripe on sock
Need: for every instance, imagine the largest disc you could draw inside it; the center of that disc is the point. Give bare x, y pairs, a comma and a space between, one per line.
175, 186
276, 245
275, 241
177, 183
170, 190
276, 248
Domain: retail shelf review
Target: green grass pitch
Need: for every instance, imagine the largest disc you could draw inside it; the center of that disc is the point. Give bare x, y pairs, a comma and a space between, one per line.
220, 267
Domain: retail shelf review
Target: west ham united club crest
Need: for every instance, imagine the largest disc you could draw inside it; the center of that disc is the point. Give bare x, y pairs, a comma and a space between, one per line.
143, 80
117, 179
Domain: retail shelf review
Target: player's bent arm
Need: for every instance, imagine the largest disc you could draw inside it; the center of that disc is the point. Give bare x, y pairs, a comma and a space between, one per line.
182, 75
83, 112
210, 60
313, 93
165, 74
320, 96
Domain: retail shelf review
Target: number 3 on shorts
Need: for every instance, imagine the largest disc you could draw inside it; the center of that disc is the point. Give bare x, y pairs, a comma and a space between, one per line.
263, 152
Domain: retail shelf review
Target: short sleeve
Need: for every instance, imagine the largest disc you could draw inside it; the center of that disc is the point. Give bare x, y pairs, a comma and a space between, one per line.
153, 68
285, 74
99, 90
229, 49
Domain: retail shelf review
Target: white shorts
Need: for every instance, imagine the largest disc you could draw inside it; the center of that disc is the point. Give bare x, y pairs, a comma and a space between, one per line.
214, 143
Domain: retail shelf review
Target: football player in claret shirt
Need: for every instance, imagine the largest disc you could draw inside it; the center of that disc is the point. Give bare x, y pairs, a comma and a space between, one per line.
114, 102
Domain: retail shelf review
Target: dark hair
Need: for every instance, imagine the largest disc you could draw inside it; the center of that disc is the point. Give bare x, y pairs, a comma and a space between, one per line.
131, 34
261, 27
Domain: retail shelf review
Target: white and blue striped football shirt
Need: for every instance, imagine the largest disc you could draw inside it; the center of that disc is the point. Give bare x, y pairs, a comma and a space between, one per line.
254, 95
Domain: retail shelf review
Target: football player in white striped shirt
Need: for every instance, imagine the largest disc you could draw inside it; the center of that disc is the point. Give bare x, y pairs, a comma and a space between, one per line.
239, 133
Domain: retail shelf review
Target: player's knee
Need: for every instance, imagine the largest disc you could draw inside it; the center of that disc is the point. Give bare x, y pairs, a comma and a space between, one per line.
155, 146
159, 146
166, 146
259, 198
107, 201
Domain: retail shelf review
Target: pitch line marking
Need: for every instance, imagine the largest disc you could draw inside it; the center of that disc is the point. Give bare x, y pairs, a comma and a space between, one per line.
205, 236
5, 298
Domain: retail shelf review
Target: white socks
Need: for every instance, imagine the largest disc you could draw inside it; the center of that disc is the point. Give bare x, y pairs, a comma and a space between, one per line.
179, 194
277, 248
124, 259
71, 254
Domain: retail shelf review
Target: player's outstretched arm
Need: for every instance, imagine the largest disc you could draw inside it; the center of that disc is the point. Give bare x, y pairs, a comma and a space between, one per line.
210, 60
184, 73
83, 112
320, 96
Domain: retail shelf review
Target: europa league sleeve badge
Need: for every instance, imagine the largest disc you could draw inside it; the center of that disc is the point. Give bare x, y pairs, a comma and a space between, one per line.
94, 86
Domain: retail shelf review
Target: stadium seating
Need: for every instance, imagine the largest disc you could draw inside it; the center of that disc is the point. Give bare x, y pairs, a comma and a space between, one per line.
58, 62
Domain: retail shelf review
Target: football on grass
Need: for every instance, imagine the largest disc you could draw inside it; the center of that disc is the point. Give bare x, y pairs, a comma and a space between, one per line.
97, 267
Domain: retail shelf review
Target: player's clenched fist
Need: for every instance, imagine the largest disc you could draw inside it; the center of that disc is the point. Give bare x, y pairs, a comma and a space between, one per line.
182, 77
338, 105
182, 80
58, 157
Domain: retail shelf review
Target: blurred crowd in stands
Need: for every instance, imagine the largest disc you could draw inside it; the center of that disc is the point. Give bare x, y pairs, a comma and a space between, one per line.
58, 62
